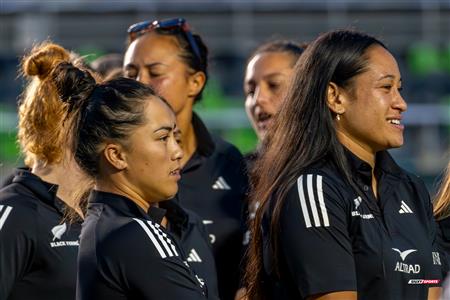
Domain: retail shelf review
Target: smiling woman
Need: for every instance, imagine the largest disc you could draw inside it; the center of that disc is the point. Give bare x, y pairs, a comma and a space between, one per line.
337, 213
126, 139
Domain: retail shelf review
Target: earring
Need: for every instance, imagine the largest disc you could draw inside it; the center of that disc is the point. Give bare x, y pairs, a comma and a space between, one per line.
338, 117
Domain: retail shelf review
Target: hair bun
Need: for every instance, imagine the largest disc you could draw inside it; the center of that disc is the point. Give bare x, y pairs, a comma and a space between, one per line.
43, 59
72, 84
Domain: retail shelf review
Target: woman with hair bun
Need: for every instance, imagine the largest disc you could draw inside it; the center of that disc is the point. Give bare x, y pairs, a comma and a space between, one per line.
125, 138
38, 246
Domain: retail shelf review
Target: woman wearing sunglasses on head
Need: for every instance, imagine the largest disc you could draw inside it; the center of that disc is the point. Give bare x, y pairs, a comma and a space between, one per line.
126, 139
38, 245
167, 56
339, 219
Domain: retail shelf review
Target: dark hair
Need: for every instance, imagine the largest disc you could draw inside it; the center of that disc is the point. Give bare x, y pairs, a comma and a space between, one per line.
198, 64
280, 46
302, 134
99, 112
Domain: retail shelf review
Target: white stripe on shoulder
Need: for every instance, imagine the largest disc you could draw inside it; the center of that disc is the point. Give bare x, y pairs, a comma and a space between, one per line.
312, 200
301, 195
5, 214
169, 241
163, 241
152, 237
323, 208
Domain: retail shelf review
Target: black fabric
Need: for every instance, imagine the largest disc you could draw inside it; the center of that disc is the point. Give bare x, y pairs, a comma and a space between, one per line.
188, 227
38, 249
332, 238
213, 184
124, 254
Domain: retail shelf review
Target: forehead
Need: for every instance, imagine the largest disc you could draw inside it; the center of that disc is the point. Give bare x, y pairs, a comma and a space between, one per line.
158, 113
268, 63
152, 47
381, 63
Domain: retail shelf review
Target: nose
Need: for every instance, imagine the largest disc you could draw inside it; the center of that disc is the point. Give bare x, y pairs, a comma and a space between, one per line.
261, 95
400, 103
176, 151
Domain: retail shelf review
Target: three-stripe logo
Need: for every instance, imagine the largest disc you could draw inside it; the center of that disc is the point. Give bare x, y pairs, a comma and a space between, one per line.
4, 213
159, 239
311, 200
404, 208
221, 184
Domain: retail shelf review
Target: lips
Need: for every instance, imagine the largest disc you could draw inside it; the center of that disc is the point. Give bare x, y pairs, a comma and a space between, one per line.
396, 122
176, 173
263, 119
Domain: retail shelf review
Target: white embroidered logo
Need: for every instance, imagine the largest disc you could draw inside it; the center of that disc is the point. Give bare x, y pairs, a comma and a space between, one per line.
404, 267
404, 208
357, 202
193, 256
221, 184
58, 231
405, 253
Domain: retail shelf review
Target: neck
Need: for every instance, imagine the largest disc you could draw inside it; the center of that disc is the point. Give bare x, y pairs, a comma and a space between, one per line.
188, 138
356, 148
110, 185
68, 186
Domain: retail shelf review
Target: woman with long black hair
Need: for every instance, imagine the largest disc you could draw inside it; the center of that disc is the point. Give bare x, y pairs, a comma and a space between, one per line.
339, 219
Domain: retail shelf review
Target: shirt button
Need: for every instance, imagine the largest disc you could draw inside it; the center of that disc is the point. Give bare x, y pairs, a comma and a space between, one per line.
365, 188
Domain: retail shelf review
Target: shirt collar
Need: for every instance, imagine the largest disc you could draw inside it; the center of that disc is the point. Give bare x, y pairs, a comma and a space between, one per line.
383, 162
178, 218
205, 143
44, 191
126, 206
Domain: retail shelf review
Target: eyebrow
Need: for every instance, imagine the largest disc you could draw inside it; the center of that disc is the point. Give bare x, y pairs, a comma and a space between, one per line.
168, 128
388, 76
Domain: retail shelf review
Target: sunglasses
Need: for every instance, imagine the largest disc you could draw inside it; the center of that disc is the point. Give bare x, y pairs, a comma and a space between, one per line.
138, 29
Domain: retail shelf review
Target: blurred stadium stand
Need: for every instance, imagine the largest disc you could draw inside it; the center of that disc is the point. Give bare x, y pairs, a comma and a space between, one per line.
418, 32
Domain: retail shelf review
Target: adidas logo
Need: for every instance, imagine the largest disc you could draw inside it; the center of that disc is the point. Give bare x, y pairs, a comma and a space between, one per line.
221, 184
193, 256
404, 208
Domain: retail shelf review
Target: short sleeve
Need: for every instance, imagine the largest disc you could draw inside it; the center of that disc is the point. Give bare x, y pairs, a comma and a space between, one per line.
314, 237
17, 243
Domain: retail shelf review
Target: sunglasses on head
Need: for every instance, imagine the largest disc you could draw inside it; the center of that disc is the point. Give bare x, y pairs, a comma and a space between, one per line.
138, 29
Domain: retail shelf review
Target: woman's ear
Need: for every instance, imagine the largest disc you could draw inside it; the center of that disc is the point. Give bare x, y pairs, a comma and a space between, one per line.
116, 156
196, 83
336, 99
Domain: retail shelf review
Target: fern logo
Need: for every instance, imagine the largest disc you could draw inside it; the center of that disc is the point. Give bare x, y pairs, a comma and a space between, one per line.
58, 231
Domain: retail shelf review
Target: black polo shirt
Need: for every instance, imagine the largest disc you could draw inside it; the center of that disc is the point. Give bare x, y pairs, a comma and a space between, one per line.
126, 254
38, 249
213, 184
188, 227
333, 238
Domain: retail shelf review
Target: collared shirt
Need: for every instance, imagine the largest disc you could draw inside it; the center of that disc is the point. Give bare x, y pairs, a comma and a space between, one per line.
213, 184
126, 254
333, 238
188, 227
38, 249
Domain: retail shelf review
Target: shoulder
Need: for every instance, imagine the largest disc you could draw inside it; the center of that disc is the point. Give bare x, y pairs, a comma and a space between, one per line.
143, 236
18, 212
